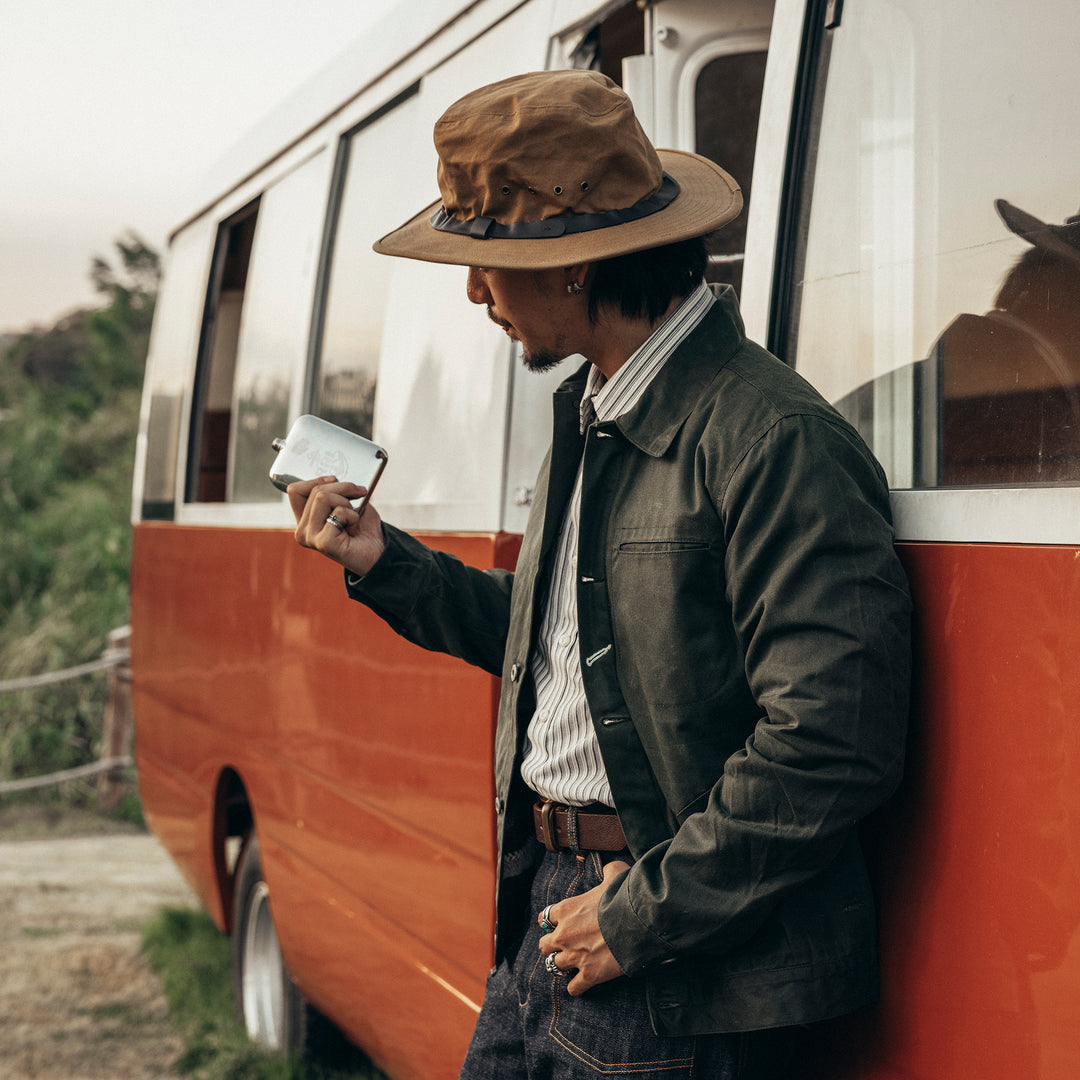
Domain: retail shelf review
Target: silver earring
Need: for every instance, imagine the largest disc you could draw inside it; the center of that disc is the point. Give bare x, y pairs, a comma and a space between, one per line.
574, 289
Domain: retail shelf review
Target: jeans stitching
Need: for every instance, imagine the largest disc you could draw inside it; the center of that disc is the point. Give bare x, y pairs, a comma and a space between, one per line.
576, 1051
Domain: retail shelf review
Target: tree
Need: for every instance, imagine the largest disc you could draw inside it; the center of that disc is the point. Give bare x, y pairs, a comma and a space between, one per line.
120, 332
89, 356
69, 407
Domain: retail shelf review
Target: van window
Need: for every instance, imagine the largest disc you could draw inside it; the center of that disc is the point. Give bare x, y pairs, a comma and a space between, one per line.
358, 279
208, 454
272, 346
727, 102
172, 347
943, 321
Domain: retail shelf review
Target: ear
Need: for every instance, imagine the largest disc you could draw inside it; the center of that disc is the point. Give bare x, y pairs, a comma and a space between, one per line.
577, 275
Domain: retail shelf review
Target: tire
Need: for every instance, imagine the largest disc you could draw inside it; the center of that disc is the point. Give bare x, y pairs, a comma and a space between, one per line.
268, 1004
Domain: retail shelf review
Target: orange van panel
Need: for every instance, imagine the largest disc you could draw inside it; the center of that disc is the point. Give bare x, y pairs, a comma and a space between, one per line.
978, 858
366, 761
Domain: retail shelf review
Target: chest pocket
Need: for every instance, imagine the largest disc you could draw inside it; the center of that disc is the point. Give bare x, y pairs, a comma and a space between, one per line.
670, 615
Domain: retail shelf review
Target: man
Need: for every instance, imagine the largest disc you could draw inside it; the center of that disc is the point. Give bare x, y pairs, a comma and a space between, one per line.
704, 648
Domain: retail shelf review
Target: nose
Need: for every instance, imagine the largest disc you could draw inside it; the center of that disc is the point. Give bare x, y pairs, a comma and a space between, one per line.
476, 287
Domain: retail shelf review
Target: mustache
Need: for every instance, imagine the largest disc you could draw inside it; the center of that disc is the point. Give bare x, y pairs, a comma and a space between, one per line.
497, 321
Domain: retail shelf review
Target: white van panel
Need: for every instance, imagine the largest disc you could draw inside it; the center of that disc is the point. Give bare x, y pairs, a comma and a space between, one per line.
441, 404
774, 125
989, 515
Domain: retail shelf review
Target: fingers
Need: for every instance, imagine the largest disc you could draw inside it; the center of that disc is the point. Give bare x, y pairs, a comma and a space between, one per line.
572, 943
583, 969
313, 501
303, 493
300, 492
326, 521
549, 919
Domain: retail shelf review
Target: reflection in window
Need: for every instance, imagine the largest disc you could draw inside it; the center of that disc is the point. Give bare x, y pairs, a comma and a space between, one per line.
358, 278
277, 320
1006, 384
941, 319
727, 101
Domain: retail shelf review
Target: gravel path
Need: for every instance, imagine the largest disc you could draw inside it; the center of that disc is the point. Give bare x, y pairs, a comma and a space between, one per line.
77, 1000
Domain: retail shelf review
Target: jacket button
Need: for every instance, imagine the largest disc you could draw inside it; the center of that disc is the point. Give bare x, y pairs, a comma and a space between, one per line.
499, 804
515, 672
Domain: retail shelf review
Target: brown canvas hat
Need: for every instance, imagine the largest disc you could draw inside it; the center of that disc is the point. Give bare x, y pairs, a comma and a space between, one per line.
552, 168
1063, 240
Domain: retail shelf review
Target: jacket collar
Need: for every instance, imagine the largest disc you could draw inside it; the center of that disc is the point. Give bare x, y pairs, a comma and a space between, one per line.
652, 424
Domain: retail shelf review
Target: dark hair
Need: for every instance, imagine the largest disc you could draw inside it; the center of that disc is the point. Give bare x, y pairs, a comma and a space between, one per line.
1041, 290
1040, 284
645, 282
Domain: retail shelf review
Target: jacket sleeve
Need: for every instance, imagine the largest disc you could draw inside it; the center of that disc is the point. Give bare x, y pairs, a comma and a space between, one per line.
436, 601
820, 608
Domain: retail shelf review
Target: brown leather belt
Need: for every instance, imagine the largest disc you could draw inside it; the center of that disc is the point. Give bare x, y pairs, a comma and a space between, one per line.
598, 827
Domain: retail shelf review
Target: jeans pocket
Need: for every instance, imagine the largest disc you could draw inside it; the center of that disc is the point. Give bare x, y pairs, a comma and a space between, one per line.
607, 1032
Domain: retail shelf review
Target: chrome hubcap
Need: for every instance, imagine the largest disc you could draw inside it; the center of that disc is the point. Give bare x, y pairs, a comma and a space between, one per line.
263, 973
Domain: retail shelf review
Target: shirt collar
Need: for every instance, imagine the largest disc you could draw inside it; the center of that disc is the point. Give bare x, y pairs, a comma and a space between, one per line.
604, 399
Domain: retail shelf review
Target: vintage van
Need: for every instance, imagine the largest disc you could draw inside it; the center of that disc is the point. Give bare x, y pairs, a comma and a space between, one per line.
910, 244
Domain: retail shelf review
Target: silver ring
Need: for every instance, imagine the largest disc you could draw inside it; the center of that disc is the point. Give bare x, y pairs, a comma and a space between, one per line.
546, 925
549, 963
338, 524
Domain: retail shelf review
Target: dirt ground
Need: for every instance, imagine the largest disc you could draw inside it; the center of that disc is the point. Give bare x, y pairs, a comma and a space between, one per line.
77, 1000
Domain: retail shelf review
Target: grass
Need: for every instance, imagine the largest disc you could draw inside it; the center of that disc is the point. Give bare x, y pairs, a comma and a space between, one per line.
49, 815
192, 959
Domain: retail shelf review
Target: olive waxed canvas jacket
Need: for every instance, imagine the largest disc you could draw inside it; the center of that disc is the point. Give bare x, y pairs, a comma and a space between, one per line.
744, 635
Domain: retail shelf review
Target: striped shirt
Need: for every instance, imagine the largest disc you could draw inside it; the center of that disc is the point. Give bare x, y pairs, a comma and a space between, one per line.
562, 755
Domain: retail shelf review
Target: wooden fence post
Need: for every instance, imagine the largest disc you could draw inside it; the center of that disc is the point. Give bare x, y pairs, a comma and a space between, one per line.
116, 725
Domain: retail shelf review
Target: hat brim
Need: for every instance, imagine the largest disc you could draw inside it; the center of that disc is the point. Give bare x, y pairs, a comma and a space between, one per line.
708, 198
1057, 239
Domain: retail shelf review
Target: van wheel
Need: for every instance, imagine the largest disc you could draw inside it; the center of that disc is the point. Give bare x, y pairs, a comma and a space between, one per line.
269, 1006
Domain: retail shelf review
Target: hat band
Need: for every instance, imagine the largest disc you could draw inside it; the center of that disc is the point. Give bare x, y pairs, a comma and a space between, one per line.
485, 228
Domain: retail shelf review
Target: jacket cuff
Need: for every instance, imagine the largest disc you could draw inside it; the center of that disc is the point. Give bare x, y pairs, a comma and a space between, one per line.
634, 944
393, 583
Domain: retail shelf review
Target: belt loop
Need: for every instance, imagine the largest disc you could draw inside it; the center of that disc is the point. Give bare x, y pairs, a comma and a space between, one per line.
547, 825
572, 830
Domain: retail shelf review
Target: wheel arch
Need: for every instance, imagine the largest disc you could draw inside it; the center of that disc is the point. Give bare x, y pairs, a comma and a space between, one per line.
233, 821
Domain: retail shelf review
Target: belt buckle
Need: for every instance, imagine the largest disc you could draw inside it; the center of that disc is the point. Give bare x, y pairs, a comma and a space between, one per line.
547, 824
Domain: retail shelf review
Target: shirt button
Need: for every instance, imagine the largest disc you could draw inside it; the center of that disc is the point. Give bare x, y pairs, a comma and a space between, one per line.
564, 641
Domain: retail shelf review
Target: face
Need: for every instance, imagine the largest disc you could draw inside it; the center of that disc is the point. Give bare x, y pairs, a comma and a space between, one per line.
532, 307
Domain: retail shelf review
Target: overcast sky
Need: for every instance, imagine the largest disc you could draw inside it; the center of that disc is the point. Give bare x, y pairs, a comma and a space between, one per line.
110, 110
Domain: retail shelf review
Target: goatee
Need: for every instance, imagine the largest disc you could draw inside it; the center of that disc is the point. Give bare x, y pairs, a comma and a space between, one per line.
539, 361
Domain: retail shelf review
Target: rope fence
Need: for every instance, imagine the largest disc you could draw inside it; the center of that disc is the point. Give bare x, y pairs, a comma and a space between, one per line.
116, 727
8, 787
32, 682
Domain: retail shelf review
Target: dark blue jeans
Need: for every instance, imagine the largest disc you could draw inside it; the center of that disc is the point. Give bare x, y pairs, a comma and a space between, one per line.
530, 1027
